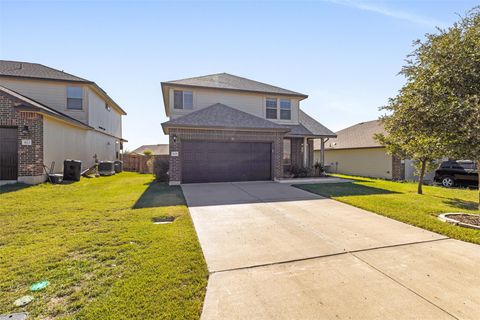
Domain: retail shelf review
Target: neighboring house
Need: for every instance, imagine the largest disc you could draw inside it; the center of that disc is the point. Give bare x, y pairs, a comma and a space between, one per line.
228, 128
356, 152
156, 149
47, 115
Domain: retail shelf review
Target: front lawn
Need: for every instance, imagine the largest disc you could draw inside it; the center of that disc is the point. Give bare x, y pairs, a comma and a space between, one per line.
399, 201
95, 242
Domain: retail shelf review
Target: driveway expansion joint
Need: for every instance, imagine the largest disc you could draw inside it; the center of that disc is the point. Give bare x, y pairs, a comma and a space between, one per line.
352, 252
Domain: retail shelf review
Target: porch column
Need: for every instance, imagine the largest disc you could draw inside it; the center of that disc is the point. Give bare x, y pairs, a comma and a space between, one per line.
322, 152
305, 150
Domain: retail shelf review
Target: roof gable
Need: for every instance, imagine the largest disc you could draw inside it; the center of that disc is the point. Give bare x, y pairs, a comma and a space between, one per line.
228, 81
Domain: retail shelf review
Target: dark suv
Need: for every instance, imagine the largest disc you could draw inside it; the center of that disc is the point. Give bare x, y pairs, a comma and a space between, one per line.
455, 172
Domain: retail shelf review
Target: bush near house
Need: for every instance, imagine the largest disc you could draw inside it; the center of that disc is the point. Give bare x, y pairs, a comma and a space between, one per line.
95, 242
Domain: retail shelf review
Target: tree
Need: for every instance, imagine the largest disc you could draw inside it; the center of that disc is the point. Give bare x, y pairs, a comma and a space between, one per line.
443, 91
423, 150
408, 132
449, 64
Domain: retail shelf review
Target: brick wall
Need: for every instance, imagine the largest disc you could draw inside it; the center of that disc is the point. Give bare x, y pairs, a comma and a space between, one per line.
30, 158
398, 169
297, 152
276, 138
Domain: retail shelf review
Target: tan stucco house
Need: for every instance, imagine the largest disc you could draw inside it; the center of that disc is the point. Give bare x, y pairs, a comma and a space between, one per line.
47, 115
355, 152
228, 128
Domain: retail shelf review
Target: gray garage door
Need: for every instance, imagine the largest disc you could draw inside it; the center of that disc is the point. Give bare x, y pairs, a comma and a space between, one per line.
8, 154
206, 161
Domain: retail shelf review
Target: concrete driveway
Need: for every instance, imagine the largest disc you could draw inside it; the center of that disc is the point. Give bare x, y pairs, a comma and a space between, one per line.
278, 252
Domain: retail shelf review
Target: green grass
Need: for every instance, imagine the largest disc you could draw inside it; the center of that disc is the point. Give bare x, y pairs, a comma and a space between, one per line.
103, 258
400, 201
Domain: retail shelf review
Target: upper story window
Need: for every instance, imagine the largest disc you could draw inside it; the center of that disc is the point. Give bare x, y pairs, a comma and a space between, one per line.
182, 99
271, 105
285, 109
75, 98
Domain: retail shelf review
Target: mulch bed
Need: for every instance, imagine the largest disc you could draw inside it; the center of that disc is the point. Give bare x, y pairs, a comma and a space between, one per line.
466, 218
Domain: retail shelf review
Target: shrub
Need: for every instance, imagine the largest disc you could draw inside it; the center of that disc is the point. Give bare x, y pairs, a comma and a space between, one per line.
298, 172
161, 166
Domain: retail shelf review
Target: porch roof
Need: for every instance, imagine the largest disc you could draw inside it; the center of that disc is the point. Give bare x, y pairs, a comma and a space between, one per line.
309, 127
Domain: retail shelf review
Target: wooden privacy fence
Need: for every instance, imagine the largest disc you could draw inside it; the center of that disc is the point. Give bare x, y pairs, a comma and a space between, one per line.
157, 164
136, 163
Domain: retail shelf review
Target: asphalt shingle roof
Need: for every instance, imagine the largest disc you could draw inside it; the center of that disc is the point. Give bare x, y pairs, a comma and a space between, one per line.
231, 82
35, 70
222, 116
39, 71
157, 149
309, 127
359, 135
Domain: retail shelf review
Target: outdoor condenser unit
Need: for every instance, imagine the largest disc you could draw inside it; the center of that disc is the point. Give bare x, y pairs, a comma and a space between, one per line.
106, 168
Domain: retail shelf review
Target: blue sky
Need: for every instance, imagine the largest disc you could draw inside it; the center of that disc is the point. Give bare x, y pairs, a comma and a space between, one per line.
344, 54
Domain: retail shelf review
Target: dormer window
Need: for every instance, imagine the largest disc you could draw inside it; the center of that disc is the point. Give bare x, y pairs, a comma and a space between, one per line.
271, 105
182, 99
285, 109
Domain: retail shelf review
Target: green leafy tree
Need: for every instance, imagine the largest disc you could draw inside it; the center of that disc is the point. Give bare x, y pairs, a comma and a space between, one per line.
442, 93
448, 66
408, 139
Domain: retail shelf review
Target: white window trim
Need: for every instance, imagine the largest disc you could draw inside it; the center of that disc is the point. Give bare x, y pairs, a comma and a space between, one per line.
276, 108
280, 109
66, 99
183, 100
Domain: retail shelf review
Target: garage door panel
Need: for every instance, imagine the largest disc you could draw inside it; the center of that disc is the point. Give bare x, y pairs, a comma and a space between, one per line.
225, 161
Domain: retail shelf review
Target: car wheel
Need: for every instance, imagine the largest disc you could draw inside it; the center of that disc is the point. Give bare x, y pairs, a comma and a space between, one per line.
448, 182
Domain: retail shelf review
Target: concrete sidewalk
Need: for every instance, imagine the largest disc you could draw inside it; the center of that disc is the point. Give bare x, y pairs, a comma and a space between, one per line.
278, 252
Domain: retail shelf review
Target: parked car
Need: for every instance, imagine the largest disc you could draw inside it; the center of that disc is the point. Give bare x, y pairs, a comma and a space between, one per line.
456, 172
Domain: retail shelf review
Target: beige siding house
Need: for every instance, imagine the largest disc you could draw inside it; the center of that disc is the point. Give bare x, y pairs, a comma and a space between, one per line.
49, 116
355, 152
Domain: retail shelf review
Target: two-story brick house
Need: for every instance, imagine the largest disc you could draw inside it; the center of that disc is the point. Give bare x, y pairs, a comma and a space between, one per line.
47, 115
228, 128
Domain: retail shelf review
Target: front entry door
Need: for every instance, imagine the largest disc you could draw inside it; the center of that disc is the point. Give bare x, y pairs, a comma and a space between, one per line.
8, 153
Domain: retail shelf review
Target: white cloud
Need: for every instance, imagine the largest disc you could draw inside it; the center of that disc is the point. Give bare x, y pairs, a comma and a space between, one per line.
397, 14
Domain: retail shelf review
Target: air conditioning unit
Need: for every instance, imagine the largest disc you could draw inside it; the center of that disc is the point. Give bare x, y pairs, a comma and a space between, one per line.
106, 168
118, 166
